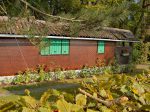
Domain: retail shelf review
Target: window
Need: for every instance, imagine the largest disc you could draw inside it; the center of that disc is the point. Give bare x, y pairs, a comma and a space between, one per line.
55, 46
101, 47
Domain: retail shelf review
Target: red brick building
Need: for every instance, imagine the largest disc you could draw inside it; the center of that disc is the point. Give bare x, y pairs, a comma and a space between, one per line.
19, 51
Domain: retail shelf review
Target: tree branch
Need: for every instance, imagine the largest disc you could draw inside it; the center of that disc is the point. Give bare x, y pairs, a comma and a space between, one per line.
52, 16
3, 9
147, 5
106, 103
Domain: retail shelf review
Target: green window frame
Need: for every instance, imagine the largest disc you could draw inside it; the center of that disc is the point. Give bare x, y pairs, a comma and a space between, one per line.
45, 47
65, 46
55, 47
101, 47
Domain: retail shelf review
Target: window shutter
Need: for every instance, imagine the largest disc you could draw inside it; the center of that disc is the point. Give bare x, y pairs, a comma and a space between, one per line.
45, 49
52, 43
55, 46
101, 47
65, 46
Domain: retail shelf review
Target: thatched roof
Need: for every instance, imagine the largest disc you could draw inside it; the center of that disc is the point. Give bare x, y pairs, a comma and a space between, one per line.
24, 26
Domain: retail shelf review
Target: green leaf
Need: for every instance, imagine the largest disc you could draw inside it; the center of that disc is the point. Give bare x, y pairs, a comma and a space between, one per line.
147, 97
145, 107
42, 109
103, 93
124, 89
141, 99
95, 95
64, 106
105, 109
25, 109
27, 92
125, 110
81, 100
7, 106
89, 110
76, 108
91, 104
137, 88
28, 101
55, 92
44, 97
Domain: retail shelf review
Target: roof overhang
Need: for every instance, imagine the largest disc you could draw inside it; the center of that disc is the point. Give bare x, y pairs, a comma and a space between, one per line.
63, 37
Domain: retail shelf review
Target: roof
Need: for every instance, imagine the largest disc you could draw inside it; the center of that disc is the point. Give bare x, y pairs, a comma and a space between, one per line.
25, 26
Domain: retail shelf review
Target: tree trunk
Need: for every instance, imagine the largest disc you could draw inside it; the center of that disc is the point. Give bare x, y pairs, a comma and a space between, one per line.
140, 19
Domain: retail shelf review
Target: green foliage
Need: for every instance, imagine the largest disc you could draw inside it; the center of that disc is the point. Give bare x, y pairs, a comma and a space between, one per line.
108, 70
130, 68
18, 79
115, 66
108, 93
90, 71
95, 13
59, 75
136, 53
40, 75
71, 74
85, 72
81, 100
70, 5
64, 106
112, 87
28, 103
30, 76
140, 53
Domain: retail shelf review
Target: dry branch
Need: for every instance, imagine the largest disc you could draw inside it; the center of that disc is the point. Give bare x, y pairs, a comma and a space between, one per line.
107, 103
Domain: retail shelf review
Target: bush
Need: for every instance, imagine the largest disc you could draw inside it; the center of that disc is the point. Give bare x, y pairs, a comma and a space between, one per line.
116, 68
85, 72
71, 74
108, 70
108, 93
59, 75
140, 53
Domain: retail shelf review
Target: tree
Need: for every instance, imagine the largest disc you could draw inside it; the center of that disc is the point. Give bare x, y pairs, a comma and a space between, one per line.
126, 14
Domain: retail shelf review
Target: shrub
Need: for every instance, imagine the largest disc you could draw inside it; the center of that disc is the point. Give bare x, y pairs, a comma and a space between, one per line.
18, 79
116, 68
85, 72
130, 68
108, 93
119, 93
71, 74
140, 53
59, 75
107, 70
95, 70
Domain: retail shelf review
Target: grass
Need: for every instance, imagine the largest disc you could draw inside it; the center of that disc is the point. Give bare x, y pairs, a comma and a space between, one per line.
12, 93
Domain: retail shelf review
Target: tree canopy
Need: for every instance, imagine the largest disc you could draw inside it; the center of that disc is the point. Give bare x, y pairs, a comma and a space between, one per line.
127, 14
